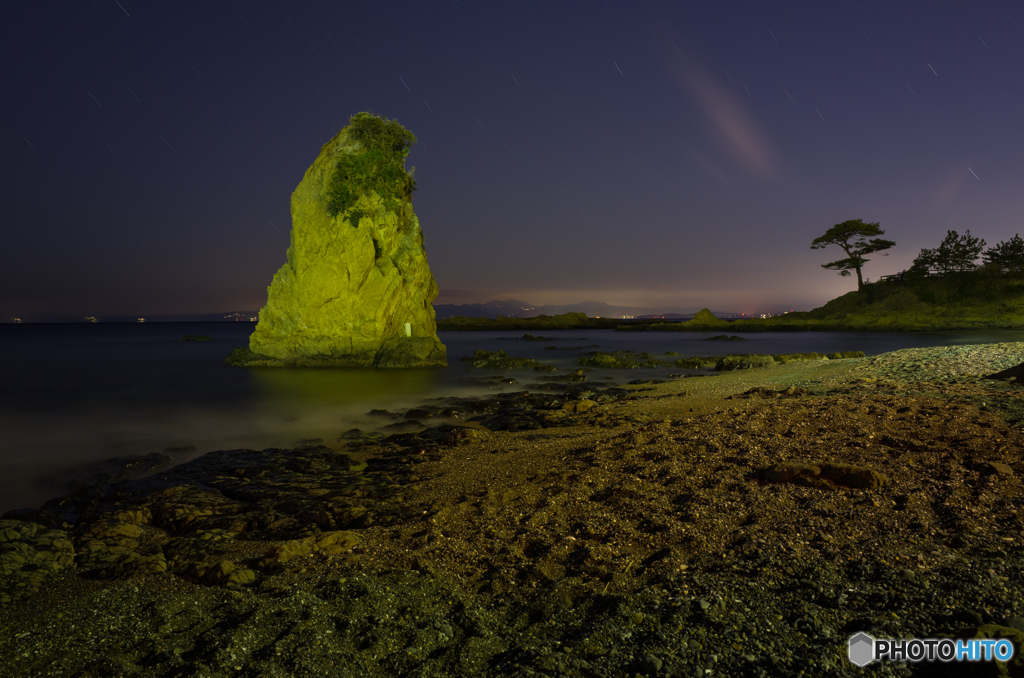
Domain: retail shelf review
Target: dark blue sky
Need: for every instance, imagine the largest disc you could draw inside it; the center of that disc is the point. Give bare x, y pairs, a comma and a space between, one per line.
640, 153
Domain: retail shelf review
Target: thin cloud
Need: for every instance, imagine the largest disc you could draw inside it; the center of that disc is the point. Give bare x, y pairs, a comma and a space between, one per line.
737, 129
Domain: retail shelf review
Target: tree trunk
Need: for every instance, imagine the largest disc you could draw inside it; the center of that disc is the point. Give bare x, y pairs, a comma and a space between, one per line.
860, 280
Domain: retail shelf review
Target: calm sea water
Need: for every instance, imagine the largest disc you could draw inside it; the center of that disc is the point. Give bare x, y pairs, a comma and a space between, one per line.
75, 394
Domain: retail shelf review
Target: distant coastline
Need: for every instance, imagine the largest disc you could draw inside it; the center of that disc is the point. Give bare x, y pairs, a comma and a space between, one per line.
977, 300
232, 317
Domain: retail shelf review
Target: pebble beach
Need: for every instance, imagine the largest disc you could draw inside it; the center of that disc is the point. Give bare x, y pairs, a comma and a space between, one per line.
739, 524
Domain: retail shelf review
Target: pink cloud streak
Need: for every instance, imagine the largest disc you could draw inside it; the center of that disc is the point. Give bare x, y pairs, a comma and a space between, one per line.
737, 129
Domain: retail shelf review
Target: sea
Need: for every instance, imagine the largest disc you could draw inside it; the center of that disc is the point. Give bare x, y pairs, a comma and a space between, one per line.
74, 395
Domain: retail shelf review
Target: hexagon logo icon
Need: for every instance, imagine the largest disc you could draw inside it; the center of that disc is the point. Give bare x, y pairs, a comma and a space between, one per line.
862, 649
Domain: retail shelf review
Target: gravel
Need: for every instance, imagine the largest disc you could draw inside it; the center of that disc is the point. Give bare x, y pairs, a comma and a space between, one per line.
637, 538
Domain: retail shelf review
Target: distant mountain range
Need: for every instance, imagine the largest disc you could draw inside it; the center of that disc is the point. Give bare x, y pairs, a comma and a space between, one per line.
514, 308
510, 308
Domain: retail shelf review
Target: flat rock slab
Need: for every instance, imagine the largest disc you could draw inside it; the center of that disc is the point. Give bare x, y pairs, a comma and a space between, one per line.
826, 475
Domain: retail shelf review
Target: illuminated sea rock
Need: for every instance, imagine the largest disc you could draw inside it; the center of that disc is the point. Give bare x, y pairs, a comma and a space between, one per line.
356, 289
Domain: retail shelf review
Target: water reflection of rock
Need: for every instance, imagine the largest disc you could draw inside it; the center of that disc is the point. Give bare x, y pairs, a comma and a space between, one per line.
327, 386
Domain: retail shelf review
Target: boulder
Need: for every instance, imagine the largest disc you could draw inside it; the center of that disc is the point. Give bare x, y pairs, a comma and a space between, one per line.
826, 475
356, 289
843, 355
744, 362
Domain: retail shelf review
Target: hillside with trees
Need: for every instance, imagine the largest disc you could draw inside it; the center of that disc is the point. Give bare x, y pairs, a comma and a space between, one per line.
958, 285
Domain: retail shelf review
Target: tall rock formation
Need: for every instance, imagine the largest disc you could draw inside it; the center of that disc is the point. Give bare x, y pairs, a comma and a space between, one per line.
356, 289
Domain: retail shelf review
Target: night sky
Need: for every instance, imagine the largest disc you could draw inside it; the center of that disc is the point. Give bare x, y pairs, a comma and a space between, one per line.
639, 153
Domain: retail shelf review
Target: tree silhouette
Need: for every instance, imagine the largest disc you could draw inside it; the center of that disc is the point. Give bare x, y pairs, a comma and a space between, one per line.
1009, 255
955, 254
853, 238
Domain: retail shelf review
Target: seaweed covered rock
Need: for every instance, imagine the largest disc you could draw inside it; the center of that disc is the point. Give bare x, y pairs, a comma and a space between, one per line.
744, 362
29, 554
356, 289
783, 358
697, 362
619, 360
499, 360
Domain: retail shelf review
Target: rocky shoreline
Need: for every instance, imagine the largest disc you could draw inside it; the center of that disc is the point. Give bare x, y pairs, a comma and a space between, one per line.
684, 528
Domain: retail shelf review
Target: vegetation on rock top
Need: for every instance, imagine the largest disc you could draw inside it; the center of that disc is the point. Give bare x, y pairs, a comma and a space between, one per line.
378, 168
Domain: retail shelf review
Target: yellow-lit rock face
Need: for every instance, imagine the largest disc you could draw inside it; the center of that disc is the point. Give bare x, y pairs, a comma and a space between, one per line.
350, 294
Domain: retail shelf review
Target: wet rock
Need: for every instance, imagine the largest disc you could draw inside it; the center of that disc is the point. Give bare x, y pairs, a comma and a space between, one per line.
110, 547
651, 664
575, 376
579, 406
182, 553
499, 360
764, 392
29, 555
825, 475
697, 362
384, 414
784, 358
845, 355
1015, 623
744, 362
725, 337
224, 573
999, 468
619, 360
511, 421
357, 438
407, 425
446, 435
326, 543
120, 469
1016, 372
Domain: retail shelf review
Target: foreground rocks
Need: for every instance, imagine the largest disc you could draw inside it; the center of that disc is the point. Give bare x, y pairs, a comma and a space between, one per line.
748, 537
